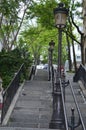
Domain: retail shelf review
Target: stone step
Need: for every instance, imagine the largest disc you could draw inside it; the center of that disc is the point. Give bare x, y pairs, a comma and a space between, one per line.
23, 128
33, 108
29, 124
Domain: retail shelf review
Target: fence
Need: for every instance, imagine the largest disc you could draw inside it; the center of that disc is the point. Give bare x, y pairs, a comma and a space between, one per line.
11, 91
59, 118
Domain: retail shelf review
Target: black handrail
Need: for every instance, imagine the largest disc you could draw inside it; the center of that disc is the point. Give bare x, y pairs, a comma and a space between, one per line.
80, 121
32, 71
11, 91
52, 77
77, 106
80, 75
59, 116
64, 107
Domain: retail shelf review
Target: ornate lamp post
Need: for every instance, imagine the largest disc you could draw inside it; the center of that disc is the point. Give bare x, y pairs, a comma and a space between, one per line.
57, 121
50, 49
60, 14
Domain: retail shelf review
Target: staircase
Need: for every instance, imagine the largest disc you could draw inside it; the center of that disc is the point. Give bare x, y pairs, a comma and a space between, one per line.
33, 108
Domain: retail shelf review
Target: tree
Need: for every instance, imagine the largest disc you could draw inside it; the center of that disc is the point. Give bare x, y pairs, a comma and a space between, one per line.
37, 39
11, 21
84, 31
43, 13
74, 13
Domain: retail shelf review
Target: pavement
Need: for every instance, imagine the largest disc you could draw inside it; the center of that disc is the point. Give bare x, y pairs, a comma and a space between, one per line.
32, 107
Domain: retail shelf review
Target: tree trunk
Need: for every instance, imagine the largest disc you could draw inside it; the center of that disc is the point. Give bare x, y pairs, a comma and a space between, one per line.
82, 49
69, 55
74, 56
84, 31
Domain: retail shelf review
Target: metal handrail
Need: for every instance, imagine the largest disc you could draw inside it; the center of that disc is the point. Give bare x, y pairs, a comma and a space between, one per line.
80, 74
52, 77
32, 71
64, 107
11, 91
77, 106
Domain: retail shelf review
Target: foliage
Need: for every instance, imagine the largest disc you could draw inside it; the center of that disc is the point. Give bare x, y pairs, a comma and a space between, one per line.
33, 40
10, 63
43, 12
11, 21
37, 39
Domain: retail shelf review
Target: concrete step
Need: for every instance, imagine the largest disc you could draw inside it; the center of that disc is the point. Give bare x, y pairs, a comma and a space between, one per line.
33, 108
41, 75
25, 128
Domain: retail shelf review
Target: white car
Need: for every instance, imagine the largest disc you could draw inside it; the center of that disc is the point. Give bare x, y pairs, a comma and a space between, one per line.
40, 66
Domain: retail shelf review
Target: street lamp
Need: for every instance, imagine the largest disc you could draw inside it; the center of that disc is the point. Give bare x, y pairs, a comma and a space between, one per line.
51, 44
57, 121
60, 14
50, 49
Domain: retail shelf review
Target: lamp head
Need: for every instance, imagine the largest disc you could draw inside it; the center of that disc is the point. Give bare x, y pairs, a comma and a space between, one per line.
60, 14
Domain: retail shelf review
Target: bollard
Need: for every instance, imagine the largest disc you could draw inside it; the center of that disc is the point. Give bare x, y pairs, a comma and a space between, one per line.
72, 124
64, 85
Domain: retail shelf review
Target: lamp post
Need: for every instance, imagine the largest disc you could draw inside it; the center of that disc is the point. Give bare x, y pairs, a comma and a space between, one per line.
50, 49
57, 121
60, 14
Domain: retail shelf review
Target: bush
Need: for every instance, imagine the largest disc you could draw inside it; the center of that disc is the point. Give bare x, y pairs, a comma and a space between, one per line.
10, 62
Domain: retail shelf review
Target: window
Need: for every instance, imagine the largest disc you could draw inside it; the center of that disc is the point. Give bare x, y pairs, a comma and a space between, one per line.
79, 47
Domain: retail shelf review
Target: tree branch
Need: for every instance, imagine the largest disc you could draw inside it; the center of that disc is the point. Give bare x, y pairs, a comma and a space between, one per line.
75, 24
71, 36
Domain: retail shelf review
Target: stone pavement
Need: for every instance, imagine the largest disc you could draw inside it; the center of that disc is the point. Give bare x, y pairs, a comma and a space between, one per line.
33, 108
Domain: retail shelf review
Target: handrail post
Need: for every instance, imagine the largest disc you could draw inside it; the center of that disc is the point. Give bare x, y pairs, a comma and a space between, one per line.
72, 124
72, 119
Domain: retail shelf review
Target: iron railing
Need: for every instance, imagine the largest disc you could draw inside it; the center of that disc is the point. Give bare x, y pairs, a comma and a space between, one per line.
59, 116
62, 85
80, 75
52, 77
32, 71
80, 119
59, 104
11, 91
